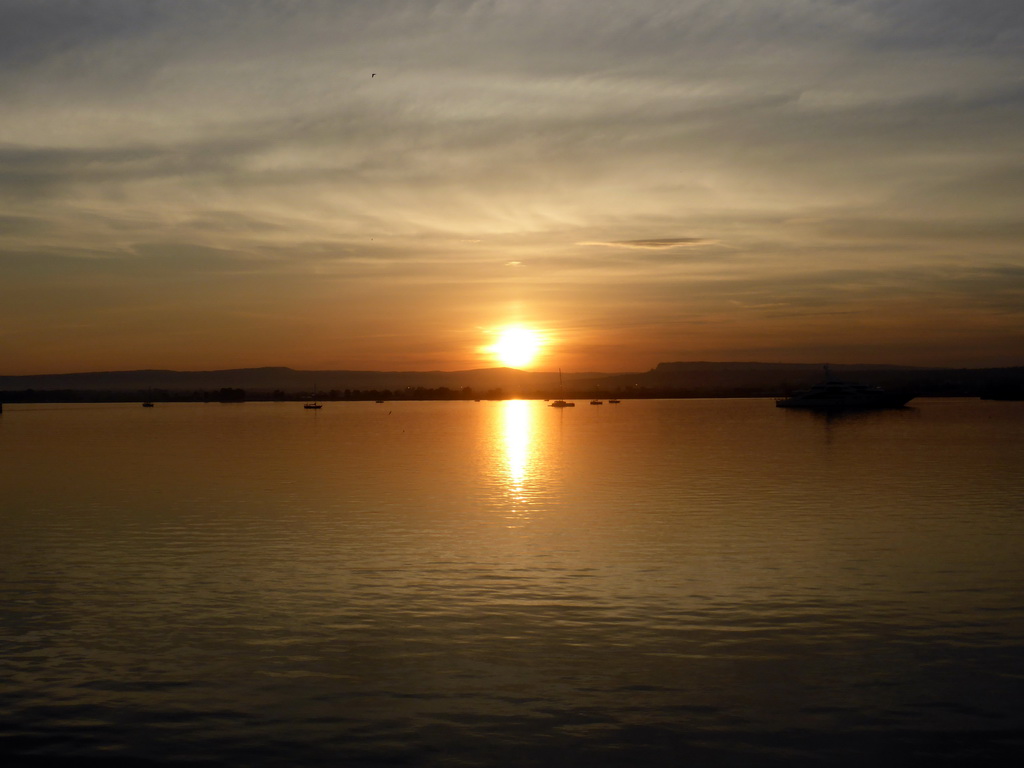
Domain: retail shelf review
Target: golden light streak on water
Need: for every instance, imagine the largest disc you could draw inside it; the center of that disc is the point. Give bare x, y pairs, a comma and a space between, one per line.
519, 453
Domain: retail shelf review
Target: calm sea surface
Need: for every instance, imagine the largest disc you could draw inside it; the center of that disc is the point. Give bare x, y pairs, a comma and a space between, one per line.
673, 582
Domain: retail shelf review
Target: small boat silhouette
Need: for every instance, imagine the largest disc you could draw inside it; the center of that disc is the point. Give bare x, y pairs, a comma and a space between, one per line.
561, 403
314, 405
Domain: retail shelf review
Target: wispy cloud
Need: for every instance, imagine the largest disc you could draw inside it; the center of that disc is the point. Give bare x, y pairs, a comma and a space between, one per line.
507, 154
657, 243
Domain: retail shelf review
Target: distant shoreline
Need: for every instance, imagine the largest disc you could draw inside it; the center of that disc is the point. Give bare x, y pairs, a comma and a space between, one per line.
666, 380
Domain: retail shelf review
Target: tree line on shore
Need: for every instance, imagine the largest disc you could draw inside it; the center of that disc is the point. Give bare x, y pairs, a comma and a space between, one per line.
238, 395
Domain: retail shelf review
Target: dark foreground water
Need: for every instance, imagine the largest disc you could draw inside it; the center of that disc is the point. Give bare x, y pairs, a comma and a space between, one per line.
657, 583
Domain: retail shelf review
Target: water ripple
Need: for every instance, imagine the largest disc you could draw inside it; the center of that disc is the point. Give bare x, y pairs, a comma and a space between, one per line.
714, 582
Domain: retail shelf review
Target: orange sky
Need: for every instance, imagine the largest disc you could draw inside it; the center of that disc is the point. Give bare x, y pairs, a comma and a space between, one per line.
225, 185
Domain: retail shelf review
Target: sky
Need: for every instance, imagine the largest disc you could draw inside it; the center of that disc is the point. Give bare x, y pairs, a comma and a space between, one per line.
389, 184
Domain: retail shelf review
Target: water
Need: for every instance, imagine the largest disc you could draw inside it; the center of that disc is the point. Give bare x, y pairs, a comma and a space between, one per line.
678, 582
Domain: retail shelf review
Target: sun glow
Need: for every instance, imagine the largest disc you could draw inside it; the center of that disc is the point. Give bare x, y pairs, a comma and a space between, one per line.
516, 346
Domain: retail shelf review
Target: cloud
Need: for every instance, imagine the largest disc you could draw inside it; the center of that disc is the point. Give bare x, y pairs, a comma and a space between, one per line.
828, 153
659, 243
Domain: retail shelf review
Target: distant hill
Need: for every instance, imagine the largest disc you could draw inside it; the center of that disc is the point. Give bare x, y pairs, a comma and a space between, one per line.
674, 379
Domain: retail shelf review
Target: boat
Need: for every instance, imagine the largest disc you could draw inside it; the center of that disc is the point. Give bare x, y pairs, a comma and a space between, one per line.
614, 402
561, 403
832, 395
597, 402
1005, 393
147, 405
315, 405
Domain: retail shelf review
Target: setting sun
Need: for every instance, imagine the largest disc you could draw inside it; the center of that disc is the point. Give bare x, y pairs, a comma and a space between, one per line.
516, 347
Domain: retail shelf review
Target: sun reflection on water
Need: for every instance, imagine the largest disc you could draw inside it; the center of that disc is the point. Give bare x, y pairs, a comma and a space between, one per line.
519, 450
